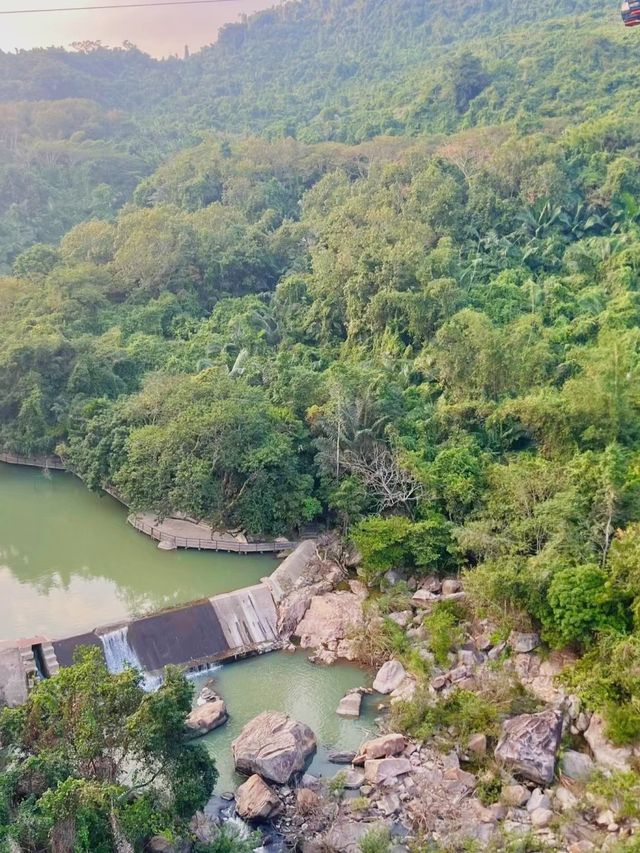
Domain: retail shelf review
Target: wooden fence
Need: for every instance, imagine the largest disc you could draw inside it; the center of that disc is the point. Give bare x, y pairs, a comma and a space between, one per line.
232, 546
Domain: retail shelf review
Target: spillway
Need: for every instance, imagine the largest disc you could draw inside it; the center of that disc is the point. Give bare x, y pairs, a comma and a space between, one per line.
194, 636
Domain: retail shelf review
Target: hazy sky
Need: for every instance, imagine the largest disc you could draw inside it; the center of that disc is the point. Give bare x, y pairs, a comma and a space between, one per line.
161, 31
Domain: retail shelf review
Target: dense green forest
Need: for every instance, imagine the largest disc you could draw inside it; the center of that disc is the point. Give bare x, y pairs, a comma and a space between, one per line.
390, 282
79, 128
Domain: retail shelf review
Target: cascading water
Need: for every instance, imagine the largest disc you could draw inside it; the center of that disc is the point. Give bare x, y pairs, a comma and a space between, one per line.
119, 655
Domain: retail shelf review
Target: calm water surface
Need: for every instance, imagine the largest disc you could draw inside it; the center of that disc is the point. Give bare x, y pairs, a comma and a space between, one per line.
282, 681
69, 562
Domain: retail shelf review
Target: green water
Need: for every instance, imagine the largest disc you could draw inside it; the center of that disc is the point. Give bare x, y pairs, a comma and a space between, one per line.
287, 682
69, 562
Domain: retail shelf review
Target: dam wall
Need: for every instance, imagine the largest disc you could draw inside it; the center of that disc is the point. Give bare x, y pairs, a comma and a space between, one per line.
193, 636
221, 628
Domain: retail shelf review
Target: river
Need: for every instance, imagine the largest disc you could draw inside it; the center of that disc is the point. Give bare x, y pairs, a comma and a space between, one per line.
69, 562
282, 681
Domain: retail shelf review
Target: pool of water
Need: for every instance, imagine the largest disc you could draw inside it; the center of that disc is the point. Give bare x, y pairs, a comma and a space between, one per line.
284, 681
69, 562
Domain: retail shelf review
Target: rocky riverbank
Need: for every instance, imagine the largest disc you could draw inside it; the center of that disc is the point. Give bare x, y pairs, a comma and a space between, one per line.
539, 772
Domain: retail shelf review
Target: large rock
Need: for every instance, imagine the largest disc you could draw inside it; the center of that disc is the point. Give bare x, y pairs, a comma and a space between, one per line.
274, 746
345, 835
384, 746
529, 744
523, 643
384, 771
206, 718
390, 676
350, 705
331, 620
255, 800
605, 753
576, 765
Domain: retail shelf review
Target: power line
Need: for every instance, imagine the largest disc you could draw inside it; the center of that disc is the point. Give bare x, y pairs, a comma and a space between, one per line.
113, 6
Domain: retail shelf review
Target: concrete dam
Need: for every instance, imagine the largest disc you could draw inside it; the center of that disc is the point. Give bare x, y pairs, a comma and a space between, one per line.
193, 636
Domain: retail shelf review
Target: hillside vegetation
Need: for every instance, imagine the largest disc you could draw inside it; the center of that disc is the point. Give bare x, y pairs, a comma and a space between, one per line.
392, 287
78, 129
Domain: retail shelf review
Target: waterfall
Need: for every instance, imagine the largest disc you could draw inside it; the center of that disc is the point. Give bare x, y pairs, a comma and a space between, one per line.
119, 655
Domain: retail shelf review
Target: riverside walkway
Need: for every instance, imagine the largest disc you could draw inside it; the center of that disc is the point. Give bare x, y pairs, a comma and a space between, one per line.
171, 533
44, 462
184, 533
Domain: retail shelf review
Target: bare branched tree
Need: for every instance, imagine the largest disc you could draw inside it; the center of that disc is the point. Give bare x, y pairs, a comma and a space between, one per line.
389, 482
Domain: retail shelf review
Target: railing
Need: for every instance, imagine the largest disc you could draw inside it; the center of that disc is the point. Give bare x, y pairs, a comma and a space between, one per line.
210, 544
47, 462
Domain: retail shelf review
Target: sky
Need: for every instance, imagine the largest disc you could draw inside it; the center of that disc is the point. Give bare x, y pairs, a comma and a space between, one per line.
160, 31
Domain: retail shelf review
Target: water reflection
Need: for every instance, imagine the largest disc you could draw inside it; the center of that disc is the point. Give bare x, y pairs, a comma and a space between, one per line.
69, 562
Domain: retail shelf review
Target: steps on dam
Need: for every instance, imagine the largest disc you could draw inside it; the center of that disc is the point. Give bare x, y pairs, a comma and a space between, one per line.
50, 660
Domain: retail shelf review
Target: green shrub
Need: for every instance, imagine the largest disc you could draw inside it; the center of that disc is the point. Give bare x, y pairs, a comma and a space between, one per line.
489, 789
382, 542
431, 544
376, 841
580, 605
607, 678
463, 711
621, 791
443, 624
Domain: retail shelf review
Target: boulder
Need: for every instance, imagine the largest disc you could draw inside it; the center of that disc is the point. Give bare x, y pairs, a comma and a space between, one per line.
424, 598
576, 765
349, 705
538, 800
541, 818
451, 586
523, 643
330, 620
255, 800
478, 744
564, 799
604, 752
207, 694
206, 718
402, 617
389, 804
384, 746
515, 795
406, 691
274, 746
345, 835
341, 757
390, 676
385, 771
529, 743
351, 779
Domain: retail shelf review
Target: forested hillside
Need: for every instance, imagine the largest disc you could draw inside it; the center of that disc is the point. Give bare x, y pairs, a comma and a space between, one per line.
342, 71
418, 321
